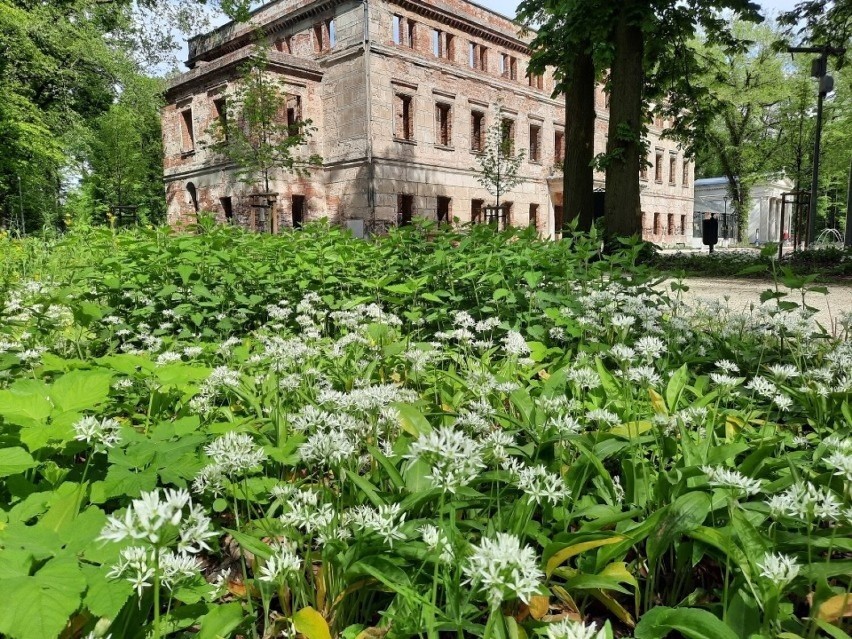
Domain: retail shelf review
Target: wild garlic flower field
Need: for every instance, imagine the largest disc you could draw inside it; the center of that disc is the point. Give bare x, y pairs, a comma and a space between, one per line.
436, 434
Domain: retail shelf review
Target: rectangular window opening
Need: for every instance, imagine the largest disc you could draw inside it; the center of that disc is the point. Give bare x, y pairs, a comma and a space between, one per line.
332, 32
405, 209
294, 113
682, 229
507, 135
559, 147
443, 211
187, 132
397, 29
535, 142
476, 211
533, 221
404, 116
297, 210
410, 33
685, 180
672, 169
436, 43
319, 40
444, 125
671, 224
227, 209
220, 109
477, 125
658, 167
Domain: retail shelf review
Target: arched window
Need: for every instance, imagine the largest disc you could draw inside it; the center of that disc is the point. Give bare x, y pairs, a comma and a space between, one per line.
193, 195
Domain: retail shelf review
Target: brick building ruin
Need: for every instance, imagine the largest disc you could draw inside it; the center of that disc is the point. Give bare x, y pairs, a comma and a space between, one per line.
401, 93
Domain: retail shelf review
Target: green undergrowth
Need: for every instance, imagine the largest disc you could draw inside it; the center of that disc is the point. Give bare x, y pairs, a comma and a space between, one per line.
437, 433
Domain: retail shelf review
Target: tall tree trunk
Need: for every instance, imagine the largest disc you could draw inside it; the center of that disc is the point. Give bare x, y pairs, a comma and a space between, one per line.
623, 211
579, 147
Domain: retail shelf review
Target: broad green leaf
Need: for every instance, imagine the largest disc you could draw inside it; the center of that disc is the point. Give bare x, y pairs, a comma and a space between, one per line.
221, 622
104, 596
80, 390
685, 514
252, 544
691, 623
29, 405
411, 420
38, 607
14, 461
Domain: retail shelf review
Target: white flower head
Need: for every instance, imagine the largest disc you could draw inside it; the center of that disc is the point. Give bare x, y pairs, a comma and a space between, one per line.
98, 432
455, 459
283, 563
235, 453
567, 629
779, 569
732, 480
503, 569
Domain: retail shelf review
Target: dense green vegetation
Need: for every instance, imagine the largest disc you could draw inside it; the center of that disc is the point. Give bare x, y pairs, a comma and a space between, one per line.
826, 264
223, 434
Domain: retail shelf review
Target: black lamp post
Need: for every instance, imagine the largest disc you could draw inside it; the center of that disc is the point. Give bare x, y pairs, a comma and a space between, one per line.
725, 218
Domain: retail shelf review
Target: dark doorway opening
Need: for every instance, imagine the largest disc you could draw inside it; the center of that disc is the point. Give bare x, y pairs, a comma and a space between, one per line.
405, 209
443, 209
298, 208
228, 208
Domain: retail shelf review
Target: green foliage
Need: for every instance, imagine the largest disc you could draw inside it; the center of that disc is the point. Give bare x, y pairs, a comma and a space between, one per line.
255, 135
500, 162
356, 422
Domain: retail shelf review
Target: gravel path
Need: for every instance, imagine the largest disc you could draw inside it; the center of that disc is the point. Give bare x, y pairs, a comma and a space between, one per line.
741, 294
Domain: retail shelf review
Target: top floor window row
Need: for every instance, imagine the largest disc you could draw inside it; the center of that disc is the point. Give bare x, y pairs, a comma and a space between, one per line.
325, 37
404, 31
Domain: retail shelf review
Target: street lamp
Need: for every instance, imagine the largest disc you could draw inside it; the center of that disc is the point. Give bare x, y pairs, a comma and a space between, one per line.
725, 218
819, 70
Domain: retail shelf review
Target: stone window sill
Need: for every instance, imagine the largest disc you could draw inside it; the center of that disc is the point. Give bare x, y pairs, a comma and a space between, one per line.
445, 147
186, 154
405, 141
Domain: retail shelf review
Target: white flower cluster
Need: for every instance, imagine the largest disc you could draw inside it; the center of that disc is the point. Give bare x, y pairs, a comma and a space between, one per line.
567, 629
159, 519
437, 541
779, 569
454, 458
503, 569
805, 502
139, 564
385, 521
538, 484
234, 454
220, 378
732, 480
283, 563
98, 432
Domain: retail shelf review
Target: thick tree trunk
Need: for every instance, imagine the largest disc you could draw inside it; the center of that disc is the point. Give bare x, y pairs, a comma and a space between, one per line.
579, 147
623, 211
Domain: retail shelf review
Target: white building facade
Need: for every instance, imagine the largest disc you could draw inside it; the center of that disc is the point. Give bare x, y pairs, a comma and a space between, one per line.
764, 215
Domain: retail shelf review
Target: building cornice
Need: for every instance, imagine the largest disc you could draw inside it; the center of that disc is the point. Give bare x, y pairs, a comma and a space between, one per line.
235, 35
438, 11
284, 63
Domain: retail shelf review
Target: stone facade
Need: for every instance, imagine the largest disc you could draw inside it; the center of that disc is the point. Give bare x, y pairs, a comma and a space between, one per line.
400, 93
